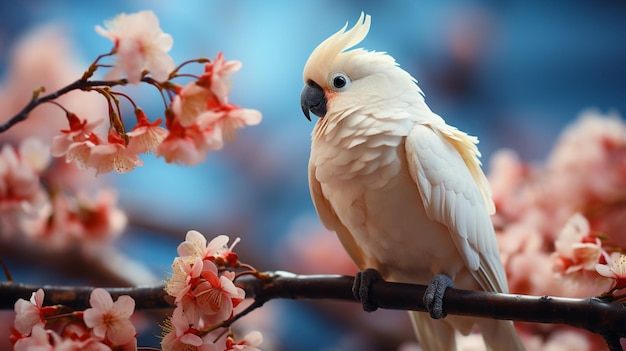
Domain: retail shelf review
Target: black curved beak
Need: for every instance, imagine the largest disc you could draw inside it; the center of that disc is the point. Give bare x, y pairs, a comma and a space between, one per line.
313, 99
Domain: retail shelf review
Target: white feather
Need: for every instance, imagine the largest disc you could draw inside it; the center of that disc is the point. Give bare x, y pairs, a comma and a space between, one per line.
454, 199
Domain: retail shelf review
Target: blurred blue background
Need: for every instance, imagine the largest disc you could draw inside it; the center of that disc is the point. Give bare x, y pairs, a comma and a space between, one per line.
513, 73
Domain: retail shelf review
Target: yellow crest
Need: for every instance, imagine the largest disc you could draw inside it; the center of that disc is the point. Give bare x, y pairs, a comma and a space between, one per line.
330, 49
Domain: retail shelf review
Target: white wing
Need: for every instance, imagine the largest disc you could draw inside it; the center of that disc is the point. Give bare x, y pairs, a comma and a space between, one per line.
452, 187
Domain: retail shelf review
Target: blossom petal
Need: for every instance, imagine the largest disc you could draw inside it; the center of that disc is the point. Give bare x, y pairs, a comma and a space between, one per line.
124, 306
604, 270
101, 300
121, 332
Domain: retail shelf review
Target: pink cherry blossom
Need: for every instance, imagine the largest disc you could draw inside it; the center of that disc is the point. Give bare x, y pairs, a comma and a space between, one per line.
249, 342
146, 136
186, 270
217, 74
29, 313
140, 44
217, 295
181, 151
113, 155
229, 118
614, 269
110, 319
80, 131
80, 151
188, 145
195, 244
199, 123
191, 101
181, 337
217, 250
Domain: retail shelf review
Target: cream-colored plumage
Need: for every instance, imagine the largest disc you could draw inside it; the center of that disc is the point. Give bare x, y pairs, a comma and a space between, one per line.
403, 190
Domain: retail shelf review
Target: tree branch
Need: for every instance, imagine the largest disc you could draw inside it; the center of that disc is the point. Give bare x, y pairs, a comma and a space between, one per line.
77, 297
607, 319
36, 100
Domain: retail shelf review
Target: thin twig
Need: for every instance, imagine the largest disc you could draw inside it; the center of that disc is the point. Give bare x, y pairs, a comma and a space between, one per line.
36, 101
7, 272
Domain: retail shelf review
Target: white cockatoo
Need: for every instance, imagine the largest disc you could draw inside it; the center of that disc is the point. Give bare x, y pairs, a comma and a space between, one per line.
403, 190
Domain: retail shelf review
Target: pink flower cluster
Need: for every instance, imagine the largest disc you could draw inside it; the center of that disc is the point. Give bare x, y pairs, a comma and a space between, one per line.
104, 326
198, 120
205, 295
56, 218
560, 225
201, 118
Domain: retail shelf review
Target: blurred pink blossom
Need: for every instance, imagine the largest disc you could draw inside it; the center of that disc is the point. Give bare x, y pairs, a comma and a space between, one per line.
140, 44
249, 343
38, 340
45, 58
83, 219
576, 249
22, 197
556, 222
57, 215
309, 248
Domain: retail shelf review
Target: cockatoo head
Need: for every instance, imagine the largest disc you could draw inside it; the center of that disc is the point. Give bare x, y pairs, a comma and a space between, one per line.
337, 78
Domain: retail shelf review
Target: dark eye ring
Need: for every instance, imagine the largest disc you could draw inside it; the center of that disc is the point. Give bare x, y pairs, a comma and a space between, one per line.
339, 81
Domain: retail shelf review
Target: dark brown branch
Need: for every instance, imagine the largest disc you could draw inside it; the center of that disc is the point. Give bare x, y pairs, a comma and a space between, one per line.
592, 314
605, 318
77, 297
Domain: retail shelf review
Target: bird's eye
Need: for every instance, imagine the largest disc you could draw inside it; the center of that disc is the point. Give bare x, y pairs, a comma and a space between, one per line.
339, 81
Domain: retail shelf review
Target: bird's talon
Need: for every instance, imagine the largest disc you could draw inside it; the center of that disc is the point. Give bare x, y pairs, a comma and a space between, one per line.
361, 288
433, 297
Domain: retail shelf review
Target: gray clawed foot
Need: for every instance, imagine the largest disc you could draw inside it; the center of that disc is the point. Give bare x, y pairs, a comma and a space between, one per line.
433, 297
361, 288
